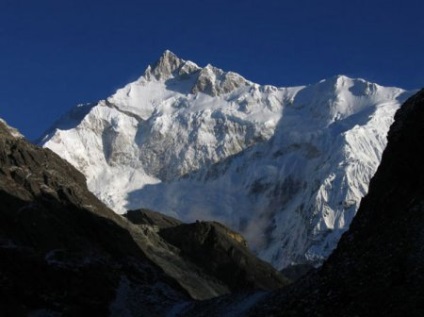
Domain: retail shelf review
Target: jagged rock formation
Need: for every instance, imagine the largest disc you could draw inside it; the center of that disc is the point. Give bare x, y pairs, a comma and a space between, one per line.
286, 167
64, 252
209, 80
378, 266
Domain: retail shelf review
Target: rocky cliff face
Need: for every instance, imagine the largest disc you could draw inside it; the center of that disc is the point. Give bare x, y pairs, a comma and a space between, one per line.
286, 167
64, 252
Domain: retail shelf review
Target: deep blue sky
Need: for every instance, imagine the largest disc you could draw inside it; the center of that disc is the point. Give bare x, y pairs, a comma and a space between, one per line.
56, 54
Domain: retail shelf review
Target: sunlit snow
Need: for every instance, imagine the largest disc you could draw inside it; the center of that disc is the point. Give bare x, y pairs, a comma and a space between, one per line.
286, 167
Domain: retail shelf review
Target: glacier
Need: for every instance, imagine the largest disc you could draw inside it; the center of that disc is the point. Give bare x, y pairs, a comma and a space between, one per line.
285, 166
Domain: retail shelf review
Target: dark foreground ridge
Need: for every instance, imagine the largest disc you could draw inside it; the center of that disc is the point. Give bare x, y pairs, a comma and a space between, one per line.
64, 253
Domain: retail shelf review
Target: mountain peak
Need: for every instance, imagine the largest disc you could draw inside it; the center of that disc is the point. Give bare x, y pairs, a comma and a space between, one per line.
167, 64
336, 80
210, 80
168, 57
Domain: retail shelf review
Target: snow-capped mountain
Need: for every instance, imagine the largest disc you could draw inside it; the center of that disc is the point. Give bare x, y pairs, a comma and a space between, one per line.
286, 167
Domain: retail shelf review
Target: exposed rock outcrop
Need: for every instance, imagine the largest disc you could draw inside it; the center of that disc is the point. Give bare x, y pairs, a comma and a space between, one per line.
221, 252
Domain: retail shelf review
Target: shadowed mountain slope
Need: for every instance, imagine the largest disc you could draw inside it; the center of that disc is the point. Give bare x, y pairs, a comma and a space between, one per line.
64, 252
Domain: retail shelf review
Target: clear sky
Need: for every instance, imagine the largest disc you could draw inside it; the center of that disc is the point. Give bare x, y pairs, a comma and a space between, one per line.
55, 54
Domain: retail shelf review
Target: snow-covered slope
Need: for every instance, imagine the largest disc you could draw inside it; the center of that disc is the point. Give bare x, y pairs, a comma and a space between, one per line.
284, 166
